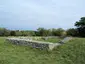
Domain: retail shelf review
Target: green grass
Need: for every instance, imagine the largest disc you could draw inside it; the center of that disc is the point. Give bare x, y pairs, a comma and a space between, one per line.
72, 52
53, 40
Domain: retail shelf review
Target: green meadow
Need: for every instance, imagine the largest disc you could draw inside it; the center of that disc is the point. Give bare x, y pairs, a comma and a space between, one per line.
73, 52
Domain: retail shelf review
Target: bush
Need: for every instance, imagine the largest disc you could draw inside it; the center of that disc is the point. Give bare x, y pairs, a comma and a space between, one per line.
57, 32
71, 32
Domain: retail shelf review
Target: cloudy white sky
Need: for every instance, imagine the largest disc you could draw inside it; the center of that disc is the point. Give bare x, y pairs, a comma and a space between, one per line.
31, 14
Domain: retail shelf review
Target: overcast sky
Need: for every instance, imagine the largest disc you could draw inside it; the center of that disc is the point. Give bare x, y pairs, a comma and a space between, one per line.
31, 14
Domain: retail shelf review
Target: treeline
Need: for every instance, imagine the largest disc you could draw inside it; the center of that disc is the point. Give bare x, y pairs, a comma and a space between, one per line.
6, 32
39, 32
79, 31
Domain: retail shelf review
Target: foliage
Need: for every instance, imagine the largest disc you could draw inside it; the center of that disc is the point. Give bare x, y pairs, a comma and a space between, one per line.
13, 33
4, 32
81, 27
28, 33
71, 32
39, 32
81, 22
18, 33
42, 32
50, 32
57, 32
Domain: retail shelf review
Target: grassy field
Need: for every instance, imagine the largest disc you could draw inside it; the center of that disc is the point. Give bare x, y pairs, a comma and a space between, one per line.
72, 52
53, 40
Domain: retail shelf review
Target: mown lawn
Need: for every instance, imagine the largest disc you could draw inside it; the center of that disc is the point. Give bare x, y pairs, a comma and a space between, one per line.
72, 52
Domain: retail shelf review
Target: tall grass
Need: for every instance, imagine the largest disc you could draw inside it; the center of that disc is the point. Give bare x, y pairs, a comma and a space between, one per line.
72, 52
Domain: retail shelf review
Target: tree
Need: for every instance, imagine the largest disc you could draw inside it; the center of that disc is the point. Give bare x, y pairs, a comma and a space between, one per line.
41, 31
60, 31
71, 32
50, 32
80, 23
24, 33
4, 32
13, 33
54, 32
57, 32
81, 27
32, 33
1, 31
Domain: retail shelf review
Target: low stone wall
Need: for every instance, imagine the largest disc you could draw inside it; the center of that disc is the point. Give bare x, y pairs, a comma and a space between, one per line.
37, 44
33, 44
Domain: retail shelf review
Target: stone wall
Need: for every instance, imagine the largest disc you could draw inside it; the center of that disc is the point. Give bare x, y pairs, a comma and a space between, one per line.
33, 44
37, 44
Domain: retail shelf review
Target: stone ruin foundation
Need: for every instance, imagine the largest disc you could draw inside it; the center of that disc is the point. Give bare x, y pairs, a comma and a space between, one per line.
36, 44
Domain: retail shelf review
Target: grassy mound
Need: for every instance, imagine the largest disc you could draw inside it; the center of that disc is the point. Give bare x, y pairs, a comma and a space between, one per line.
72, 52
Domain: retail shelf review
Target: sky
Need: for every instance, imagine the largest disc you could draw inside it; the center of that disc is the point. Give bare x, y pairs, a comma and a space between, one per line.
32, 14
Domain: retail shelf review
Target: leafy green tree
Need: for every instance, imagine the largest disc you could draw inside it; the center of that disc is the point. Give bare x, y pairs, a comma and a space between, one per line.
12, 33
41, 31
32, 33
4, 32
44, 32
80, 23
1, 31
81, 27
71, 32
54, 31
24, 33
60, 31
57, 32
50, 32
